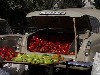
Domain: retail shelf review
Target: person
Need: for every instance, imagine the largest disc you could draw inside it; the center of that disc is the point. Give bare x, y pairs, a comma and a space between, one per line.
96, 64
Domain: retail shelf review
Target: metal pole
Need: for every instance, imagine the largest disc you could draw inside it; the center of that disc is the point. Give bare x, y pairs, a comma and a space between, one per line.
75, 38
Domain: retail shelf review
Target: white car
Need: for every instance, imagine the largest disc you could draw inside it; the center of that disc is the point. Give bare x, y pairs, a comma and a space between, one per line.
71, 22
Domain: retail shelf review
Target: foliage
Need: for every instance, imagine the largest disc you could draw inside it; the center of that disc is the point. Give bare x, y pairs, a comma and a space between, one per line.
97, 4
32, 5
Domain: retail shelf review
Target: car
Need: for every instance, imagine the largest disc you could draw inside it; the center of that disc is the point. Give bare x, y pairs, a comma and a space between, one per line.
72, 22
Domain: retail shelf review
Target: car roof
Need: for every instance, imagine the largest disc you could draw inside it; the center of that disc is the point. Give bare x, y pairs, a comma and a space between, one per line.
72, 12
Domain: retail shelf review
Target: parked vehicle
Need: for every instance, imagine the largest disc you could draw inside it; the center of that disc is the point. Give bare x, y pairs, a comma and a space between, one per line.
62, 20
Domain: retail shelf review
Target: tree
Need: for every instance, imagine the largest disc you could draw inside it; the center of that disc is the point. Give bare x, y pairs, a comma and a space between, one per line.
97, 4
74, 3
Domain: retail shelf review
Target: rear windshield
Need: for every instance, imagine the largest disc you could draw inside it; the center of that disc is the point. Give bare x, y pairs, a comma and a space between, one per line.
82, 23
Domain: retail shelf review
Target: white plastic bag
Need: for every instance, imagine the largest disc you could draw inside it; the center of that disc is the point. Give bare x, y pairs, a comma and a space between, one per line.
96, 65
15, 69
